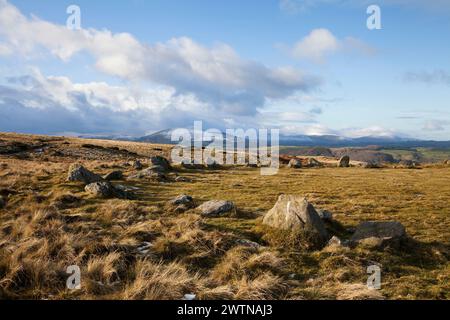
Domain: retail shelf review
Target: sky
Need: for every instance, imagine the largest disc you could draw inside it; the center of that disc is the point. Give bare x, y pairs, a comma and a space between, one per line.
303, 66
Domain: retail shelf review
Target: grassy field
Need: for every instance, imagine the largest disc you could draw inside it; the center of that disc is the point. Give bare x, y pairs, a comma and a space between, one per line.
42, 230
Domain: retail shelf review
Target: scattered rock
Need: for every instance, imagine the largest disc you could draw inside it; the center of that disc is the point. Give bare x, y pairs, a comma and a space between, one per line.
408, 164
79, 173
182, 199
295, 163
371, 165
344, 162
137, 165
447, 162
161, 161
149, 173
325, 215
311, 162
295, 213
248, 243
182, 179
379, 233
218, 208
114, 175
334, 242
100, 189
106, 190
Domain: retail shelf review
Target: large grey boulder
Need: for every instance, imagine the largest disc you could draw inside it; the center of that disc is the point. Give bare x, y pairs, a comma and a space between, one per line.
182, 199
79, 173
379, 233
344, 162
182, 203
295, 164
105, 189
100, 189
217, 208
296, 214
149, 173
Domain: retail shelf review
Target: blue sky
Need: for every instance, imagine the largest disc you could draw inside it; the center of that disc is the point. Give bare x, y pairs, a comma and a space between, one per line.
300, 65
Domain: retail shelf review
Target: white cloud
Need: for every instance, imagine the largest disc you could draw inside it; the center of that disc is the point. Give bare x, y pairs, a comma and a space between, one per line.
316, 45
321, 43
214, 75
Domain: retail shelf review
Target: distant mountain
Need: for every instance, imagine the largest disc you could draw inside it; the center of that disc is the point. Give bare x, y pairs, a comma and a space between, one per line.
329, 141
332, 141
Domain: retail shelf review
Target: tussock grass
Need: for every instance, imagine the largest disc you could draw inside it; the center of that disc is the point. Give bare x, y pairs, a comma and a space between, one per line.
142, 249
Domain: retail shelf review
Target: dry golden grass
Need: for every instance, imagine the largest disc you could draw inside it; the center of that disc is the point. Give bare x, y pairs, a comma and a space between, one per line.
142, 249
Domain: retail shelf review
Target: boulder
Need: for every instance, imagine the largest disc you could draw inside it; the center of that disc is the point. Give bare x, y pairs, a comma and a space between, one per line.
79, 173
344, 162
378, 233
106, 190
100, 189
295, 163
114, 175
217, 208
408, 164
296, 214
311, 162
160, 161
447, 162
149, 173
371, 165
182, 199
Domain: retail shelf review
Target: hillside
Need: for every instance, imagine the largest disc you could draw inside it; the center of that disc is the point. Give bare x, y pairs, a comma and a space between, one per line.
143, 247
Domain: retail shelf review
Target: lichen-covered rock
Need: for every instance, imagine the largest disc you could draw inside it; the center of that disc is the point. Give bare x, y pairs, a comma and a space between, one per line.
294, 213
79, 173
182, 199
344, 162
105, 189
379, 233
100, 189
217, 208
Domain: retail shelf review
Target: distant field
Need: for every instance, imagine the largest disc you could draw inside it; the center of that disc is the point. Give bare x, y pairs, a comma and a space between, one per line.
421, 154
40, 234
